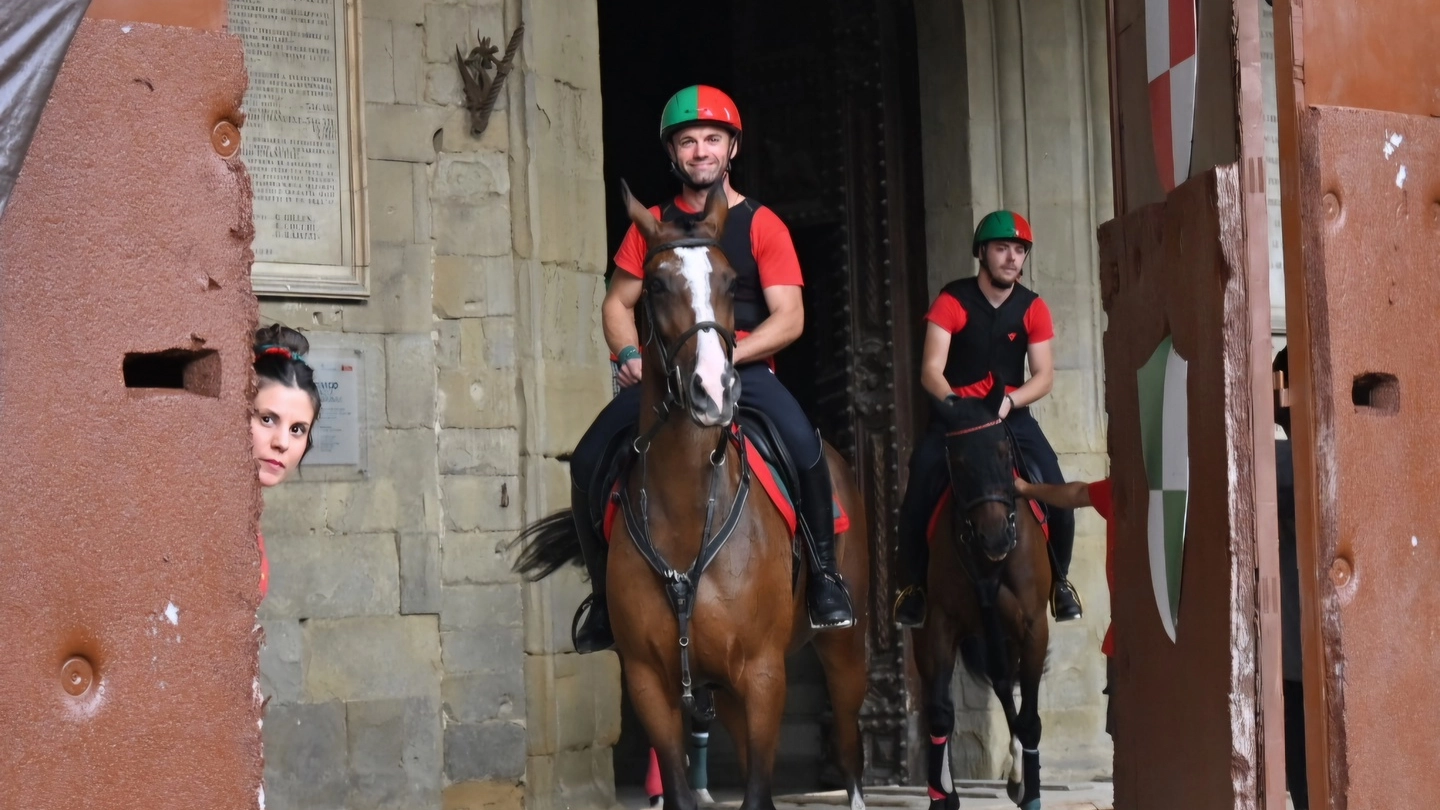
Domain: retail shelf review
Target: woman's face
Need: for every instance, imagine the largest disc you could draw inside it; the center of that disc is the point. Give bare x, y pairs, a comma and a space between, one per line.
280, 431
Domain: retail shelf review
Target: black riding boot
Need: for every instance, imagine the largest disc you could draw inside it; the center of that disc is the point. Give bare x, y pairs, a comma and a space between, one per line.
592, 633
826, 597
914, 558
1065, 604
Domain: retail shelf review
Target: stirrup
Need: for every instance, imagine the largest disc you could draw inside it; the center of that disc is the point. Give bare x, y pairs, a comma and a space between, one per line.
583, 612
900, 600
1054, 600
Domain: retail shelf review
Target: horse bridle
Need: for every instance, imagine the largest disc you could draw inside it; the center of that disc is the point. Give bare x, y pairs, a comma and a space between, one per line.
676, 392
969, 532
680, 586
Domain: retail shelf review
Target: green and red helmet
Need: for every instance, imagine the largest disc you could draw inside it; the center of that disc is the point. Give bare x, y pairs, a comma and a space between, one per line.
1002, 225
699, 104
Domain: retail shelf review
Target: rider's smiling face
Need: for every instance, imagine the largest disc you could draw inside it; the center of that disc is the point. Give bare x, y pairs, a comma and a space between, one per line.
703, 152
1004, 259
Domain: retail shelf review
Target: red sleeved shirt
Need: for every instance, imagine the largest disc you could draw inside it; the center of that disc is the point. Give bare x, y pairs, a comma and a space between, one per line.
770, 242
949, 314
1103, 502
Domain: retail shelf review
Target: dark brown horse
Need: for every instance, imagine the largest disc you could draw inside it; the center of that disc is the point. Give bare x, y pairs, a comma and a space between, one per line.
989, 582
706, 597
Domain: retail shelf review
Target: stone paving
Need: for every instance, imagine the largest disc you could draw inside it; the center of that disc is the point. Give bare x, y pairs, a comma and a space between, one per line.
974, 795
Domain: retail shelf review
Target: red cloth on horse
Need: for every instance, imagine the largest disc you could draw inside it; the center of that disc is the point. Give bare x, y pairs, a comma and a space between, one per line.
945, 501
765, 477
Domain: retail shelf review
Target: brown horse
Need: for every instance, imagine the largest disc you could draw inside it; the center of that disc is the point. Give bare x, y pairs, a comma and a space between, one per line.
989, 581
684, 638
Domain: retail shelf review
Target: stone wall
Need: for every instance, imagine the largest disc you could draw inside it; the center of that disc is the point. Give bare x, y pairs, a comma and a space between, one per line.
1019, 118
406, 666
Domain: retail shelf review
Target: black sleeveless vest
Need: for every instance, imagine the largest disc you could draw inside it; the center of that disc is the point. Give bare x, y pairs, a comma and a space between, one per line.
750, 307
994, 339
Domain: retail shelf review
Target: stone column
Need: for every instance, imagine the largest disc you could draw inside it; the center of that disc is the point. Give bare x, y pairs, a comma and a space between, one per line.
558, 227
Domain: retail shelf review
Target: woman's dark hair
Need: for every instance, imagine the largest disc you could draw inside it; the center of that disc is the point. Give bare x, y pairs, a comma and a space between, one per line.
280, 358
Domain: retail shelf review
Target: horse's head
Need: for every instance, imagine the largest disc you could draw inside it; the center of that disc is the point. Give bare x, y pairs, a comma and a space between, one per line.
982, 477
688, 300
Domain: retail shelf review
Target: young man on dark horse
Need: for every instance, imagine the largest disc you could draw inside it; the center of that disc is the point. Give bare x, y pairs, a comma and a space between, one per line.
981, 330
700, 131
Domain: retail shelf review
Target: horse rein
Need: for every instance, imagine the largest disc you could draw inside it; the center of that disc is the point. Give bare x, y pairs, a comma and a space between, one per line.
681, 586
675, 390
968, 531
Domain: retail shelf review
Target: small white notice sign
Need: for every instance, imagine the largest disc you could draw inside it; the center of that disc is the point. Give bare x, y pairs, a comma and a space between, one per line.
339, 433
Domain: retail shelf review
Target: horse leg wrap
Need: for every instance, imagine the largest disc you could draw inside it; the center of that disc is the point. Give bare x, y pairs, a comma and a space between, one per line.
654, 787
1032, 777
937, 775
699, 760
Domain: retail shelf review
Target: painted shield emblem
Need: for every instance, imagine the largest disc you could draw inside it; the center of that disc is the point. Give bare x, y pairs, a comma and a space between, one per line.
1170, 72
1164, 437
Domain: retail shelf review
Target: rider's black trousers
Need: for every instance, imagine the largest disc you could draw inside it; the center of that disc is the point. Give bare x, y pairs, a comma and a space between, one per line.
929, 478
759, 389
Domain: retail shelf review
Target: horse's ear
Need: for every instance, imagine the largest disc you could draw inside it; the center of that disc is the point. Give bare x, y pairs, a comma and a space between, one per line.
645, 222
717, 208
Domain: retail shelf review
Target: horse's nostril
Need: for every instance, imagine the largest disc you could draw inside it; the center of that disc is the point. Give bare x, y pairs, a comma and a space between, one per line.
697, 388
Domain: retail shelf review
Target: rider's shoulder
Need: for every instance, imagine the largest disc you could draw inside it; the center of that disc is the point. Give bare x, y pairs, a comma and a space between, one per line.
764, 222
961, 288
758, 211
1025, 292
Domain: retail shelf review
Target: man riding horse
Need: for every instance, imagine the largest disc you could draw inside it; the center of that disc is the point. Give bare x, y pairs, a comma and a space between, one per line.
981, 331
700, 131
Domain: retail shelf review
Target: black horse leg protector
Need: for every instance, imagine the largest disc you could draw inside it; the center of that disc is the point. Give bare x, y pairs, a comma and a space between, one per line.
1032, 776
941, 722
1028, 730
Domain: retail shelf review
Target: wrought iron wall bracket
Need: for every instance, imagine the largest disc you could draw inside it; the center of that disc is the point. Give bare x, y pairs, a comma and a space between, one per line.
482, 88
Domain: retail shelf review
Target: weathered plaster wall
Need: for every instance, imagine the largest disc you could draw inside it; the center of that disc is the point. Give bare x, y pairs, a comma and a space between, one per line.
407, 666
1018, 117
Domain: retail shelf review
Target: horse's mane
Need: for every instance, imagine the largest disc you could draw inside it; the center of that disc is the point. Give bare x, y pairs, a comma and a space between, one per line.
971, 412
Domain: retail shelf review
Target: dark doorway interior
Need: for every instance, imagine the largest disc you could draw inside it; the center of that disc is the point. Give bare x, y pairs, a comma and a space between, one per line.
828, 95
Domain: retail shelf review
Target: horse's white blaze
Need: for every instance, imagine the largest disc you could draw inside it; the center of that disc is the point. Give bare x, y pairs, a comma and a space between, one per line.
710, 357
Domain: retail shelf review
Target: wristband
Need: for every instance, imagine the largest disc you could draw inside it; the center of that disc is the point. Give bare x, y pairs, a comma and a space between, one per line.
627, 354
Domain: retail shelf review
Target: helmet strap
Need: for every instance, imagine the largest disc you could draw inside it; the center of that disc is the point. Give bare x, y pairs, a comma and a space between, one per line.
685, 178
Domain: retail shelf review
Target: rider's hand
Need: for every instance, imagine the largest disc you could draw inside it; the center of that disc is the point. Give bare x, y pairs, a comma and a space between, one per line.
630, 373
1005, 406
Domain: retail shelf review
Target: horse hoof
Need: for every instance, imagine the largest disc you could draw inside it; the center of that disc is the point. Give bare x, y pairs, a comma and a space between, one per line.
703, 796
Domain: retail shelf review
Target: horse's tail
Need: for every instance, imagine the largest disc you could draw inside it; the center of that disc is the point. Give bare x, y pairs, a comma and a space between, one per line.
548, 545
986, 656
976, 659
